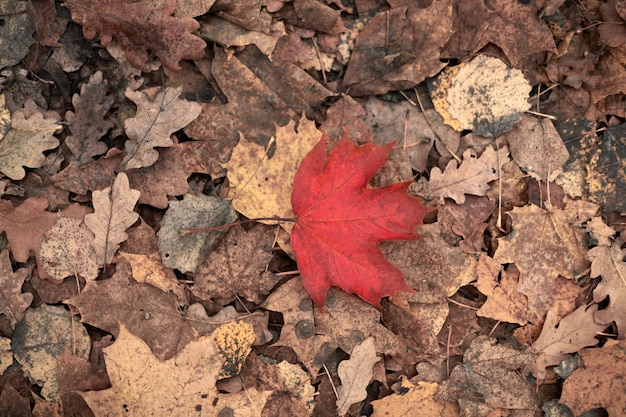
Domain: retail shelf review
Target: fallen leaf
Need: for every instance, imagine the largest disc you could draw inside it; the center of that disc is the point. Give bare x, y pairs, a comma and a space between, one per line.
608, 263
600, 382
18, 27
113, 214
37, 351
159, 114
409, 400
66, 250
186, 252
6, 356
467, 220
24, 143
488, 97
149, 269
297, 382
537, 147
543, 245
144, 385
88, 122
574, 332
140, 27
14, 302
488, 379
355, 374
233, 342
606, 171
471, 177
341, 222
260, 187
154, 315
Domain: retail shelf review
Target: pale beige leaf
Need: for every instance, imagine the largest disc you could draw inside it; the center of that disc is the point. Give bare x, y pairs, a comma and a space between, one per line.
574, 332
12, 301
298, 382
471, 177
608, 263
66, 250
355, 374
262, 186
488, 97
23, 144
113, 214
158, 116
142, 385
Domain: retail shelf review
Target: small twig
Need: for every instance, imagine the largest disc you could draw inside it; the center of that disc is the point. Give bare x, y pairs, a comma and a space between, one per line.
227, 225
332, 384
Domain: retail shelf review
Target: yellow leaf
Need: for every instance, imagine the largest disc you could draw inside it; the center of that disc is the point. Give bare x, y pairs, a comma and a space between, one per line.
233, 342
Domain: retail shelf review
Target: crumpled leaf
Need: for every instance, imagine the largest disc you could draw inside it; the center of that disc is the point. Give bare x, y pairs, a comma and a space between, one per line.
341, 222
574, 332
600, 382
185, 381
233, 342
37, 350
66, 250
88, 122
488, 97
13, 301
261, 187
113, 215
413, 400
608, 263
355, 374
159, 114
471, 177
24, 143
140, 27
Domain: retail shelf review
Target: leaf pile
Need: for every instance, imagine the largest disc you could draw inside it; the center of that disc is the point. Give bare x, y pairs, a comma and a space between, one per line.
312, 208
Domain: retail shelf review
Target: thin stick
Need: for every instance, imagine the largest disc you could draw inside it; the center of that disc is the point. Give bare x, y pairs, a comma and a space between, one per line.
332, 384
227, 225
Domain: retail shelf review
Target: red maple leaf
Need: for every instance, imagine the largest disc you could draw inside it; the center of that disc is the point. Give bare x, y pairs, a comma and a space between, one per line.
341, 222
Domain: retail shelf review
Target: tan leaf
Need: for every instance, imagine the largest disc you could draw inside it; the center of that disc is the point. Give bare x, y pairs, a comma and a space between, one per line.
488, 97
159, 114
297, 381
24, 143
413, 400
233, 342
142, 385
537, 147
471, 177
574, 332
355, 374
13, 301
66, 250
113, 215
149, 269
608, 263
261, 186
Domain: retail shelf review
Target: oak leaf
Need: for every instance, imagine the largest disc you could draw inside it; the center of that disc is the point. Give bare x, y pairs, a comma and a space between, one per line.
355, 374
341, 222
88, 122
66, 250
608, 262
471, 177
14, 302
574, 332
112, 216
159, 114
139, 27
24, 143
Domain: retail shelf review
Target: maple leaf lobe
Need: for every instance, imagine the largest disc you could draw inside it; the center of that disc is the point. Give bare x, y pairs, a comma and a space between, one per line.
341, 222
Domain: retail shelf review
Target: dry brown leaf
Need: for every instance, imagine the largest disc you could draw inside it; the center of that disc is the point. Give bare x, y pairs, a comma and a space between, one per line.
471, 177
13, 301
149, 269
159, 114
66, 250
355, 374
574, 332
413, 400
608, 263
144, 385
113, 215
23, 144
600, 382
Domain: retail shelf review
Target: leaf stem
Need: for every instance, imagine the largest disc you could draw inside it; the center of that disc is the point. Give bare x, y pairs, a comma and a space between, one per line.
227, 225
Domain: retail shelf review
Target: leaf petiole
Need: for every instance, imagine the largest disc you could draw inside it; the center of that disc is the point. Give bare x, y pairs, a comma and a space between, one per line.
227, 225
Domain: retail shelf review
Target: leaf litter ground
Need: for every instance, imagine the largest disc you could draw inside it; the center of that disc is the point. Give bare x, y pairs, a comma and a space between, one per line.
123, 124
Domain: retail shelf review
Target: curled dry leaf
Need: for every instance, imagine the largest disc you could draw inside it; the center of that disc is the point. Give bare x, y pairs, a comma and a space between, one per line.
113, 215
